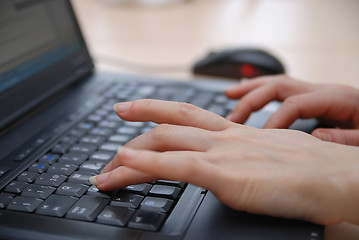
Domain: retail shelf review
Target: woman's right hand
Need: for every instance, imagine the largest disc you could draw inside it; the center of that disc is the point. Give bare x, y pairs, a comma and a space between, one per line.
334, 105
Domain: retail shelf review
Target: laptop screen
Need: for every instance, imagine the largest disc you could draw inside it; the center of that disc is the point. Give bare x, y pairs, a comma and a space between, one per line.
40, 46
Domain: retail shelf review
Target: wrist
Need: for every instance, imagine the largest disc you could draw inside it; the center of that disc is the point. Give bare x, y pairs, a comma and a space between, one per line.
347, 181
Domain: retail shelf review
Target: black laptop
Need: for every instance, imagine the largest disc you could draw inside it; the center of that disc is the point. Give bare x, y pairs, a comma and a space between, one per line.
58, 129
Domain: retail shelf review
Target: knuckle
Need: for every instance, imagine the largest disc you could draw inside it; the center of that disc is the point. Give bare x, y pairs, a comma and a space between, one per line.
161, 131
185, 109
291, 100
192, 167
142, 104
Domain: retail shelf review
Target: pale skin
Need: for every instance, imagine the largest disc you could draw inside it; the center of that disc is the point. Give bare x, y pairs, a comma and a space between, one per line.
278, 172
336, 105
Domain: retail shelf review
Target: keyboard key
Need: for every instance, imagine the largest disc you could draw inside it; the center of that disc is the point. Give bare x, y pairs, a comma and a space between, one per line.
85, 126
101, 131
101, 112
56, 205
165, 191
108, 124
38, 167
16, 187
218, 109
92, 166
60, 148
102, 156
202, 99
77, 132
172, 183
3, 171
87, 208
94, 191
73, 158
83, 149
27, 177
147, 220
127, 199
134, 124
94, 118
5, 199
121, 139
81, 177
142, 189
38, 191
50, 179
95, 140
156, 204
112, 147
72, 189
70, 139
118, 216
24, 204
127, 130
49, 158
62, 168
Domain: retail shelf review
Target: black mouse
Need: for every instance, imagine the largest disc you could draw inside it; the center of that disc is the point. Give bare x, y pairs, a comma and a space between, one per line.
239, 63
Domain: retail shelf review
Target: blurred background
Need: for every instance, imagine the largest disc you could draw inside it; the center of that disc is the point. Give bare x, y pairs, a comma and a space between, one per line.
317, 41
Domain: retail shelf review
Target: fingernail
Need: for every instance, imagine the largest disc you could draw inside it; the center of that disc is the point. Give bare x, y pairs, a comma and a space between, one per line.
324, 136
121, 107
92, 180
99, 179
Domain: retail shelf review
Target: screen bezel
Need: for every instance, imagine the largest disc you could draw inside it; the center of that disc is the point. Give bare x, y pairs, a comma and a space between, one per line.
21, 98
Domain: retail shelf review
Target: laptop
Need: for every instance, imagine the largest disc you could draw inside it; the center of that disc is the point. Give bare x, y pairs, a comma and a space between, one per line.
58, 129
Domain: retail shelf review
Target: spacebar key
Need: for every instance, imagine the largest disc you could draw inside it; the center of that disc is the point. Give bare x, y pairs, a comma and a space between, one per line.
87, 208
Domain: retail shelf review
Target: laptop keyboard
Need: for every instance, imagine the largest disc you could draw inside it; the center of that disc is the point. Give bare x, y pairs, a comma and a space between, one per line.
57, 185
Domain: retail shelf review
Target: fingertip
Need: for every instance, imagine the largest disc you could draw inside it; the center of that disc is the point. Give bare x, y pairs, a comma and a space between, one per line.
322, 135
92, 180
100, 179
121, 107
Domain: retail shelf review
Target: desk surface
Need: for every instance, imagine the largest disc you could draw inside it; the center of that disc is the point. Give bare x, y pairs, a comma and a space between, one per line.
318, 41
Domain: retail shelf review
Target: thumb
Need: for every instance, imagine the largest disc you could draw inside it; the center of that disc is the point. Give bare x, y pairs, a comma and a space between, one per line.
343, 136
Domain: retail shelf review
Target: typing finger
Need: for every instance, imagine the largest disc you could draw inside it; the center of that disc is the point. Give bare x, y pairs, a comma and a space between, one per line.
120, 177
310, 105
167, 137
170, 112
239, 90
253, 101
179, 166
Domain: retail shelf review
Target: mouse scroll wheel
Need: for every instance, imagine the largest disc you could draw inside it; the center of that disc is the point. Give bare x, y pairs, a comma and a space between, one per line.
248, 71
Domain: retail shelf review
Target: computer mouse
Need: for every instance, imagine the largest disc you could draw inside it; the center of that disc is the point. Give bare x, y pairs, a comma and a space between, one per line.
239, 63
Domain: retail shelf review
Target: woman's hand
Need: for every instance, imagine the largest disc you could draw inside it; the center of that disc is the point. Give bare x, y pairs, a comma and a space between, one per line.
282, 173
334, 105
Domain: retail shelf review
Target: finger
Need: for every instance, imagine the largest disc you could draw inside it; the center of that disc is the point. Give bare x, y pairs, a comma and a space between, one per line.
165, 137
242, 88
253, 101
170, 112
342, 136
115, 163
309, 105
178, 166
120, 177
